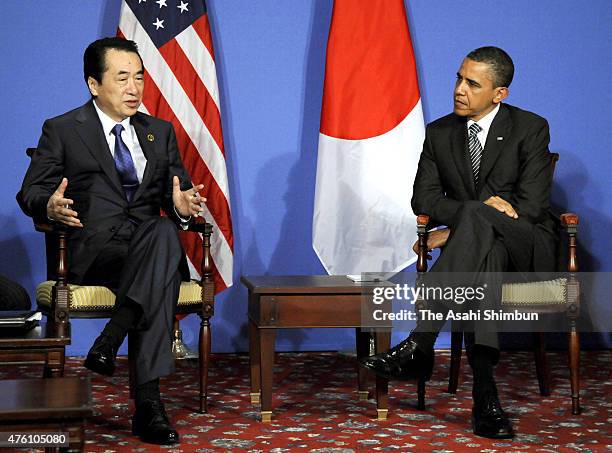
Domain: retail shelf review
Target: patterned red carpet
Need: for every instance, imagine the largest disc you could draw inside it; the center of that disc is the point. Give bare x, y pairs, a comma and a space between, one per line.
316, 408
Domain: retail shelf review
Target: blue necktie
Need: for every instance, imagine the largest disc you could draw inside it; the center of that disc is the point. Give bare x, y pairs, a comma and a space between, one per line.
125, 165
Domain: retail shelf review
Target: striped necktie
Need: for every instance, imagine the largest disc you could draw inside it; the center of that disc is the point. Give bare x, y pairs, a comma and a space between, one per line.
125, 164
475, 150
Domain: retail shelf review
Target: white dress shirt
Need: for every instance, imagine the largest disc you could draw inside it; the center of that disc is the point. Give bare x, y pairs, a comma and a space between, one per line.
485, 124
129, 137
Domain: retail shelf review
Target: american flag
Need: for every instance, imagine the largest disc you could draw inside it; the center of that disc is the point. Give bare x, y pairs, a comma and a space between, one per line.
175, 43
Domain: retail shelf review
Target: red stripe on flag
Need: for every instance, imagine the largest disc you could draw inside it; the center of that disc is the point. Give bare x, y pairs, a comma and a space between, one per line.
370, 76
202, 28
194, 88
195, 166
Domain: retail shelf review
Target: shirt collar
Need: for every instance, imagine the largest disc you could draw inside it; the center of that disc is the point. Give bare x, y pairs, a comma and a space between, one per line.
485, 121
108, 123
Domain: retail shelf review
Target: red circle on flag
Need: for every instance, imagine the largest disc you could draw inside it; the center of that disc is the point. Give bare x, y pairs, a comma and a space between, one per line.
371, 80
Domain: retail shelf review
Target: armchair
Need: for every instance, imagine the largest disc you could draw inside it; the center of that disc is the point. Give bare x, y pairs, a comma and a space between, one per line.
60, 301
532, 297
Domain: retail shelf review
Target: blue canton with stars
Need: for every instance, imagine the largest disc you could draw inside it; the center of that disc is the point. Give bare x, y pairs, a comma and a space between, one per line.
164, 19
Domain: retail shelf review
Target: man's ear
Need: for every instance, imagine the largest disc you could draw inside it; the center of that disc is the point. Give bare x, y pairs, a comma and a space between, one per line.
501, 93
92, 84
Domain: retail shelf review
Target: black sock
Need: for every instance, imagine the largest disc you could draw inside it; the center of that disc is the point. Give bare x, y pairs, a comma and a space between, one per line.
482, 362
123, 319
147, 391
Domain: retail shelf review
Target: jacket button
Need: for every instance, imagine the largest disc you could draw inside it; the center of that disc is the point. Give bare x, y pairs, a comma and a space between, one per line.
113, 229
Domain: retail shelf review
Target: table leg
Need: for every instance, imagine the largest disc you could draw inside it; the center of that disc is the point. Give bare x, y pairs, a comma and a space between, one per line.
383, 343
266, 348
362, 340
54, 363
255, 361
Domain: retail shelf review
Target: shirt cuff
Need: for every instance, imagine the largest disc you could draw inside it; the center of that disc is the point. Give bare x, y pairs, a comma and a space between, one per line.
184, 221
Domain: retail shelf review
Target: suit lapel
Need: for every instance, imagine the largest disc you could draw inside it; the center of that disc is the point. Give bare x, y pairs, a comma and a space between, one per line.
461, 156
146, 138
90, 130
496, 139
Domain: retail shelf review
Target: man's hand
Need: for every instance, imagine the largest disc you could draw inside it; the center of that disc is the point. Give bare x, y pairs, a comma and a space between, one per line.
58, 207
187, 203
502, 206
435, 239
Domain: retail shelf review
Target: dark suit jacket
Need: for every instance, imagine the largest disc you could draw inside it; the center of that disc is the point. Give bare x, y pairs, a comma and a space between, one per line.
515, 166
73, 146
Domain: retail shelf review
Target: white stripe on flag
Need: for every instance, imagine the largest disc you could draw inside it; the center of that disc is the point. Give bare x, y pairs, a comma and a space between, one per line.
178, 100
363, 221
201, 60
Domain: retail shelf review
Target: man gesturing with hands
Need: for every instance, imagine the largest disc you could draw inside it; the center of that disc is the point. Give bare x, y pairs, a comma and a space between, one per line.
106, 170
59, 208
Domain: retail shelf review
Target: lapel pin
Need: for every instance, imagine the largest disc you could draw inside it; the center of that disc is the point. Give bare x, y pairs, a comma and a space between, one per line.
499, 139
151, 137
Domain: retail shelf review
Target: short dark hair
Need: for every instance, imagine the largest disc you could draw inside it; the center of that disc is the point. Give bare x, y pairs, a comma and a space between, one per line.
500, 62
94, 58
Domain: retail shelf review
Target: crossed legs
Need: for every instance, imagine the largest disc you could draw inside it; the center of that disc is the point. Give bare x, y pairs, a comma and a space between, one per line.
140, 264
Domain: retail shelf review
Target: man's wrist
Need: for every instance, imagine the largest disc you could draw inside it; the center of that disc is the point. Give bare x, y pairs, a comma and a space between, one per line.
183, 220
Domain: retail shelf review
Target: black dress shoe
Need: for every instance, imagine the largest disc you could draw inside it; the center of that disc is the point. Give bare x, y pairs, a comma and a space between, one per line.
489, 419
403, 361
151, 424
101, 356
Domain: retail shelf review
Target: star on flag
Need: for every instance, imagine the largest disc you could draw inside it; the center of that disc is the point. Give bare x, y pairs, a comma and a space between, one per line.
158, 24
183, 6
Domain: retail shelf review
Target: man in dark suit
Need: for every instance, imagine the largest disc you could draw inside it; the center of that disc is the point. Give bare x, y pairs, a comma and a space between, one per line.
485, 173
106, 170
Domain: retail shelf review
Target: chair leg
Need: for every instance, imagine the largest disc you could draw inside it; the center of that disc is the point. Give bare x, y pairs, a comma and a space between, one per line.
455, 363
542, 370
204, 345
574, 359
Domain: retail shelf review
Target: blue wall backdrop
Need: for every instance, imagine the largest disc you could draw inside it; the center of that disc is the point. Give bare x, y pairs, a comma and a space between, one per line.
270, 59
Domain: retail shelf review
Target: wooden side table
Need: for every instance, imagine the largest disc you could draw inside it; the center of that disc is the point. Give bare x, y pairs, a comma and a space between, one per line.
36, 346
280, 302
59, 405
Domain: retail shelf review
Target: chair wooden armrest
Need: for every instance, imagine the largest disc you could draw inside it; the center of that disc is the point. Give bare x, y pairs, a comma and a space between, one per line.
570, 222
59, 314
422, 233
569, 218
200, 226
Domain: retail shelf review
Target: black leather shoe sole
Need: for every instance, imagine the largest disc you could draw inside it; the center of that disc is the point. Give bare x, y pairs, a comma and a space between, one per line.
99, 365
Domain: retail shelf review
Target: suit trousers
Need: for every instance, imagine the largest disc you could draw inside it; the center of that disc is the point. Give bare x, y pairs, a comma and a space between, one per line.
483, 244
140, 264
